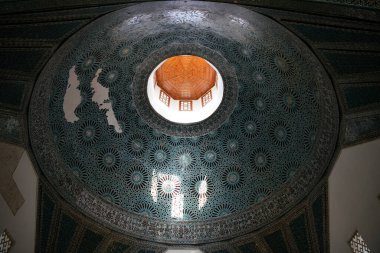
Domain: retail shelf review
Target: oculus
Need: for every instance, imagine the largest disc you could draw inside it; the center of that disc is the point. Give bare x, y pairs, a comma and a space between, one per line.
185, 89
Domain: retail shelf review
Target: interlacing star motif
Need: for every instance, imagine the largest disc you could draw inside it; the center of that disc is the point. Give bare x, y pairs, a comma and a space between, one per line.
5, 242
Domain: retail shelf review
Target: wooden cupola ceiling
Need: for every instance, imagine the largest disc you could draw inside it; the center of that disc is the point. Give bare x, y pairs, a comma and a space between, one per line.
185, 77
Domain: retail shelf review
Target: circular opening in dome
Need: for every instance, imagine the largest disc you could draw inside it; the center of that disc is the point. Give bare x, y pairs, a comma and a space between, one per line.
185, 89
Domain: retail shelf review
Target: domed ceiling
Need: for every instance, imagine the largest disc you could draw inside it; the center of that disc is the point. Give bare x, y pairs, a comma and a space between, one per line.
108, 153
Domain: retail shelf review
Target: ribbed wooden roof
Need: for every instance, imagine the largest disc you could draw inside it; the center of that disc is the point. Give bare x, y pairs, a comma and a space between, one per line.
185, 77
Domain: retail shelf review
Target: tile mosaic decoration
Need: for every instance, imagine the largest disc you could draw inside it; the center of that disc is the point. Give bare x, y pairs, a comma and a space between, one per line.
300, 233
356, 3
11, 128
115, 160
57, 231
14, 61
366, 62
276, 242
39, 31
11, 93
363, 95
358, 245
319, 216
324, 33
6, 242
362, 128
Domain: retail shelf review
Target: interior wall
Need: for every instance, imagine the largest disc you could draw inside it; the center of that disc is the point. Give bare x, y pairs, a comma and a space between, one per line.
22, 226
354, 203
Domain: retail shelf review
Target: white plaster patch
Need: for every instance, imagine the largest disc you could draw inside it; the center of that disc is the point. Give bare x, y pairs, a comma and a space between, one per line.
101, 97
72, 97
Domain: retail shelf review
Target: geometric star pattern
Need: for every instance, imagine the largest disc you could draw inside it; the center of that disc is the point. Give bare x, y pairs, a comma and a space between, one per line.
5, 242
358, 245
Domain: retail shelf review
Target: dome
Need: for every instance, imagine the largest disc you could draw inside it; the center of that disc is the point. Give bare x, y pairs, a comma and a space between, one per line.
107, 152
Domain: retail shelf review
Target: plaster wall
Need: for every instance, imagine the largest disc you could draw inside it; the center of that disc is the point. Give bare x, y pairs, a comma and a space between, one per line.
354, 204
22, 225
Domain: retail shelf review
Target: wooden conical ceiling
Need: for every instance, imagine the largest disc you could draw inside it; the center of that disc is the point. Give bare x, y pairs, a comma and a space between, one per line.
185, 77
